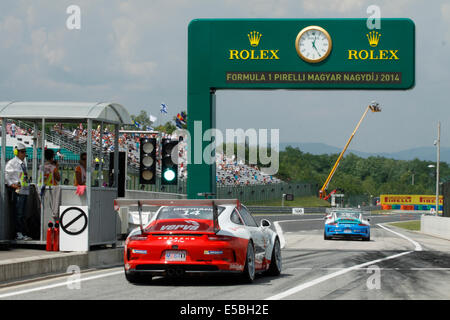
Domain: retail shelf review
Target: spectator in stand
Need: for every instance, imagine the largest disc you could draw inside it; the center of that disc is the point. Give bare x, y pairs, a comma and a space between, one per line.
60, 155
13, 130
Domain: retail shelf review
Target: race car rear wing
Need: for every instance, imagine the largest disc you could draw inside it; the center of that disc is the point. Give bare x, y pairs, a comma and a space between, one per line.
118, 203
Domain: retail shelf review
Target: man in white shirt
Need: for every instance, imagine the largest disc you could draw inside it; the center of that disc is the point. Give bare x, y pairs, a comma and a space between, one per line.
16, 177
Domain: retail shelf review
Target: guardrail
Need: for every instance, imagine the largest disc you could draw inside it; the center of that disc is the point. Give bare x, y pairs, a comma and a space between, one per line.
288, 210
282, 210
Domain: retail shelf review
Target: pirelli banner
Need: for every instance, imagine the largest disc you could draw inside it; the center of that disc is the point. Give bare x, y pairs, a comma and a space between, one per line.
409, 199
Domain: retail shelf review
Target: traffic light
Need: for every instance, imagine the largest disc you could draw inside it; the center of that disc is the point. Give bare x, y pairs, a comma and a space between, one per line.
169, 166
147, 162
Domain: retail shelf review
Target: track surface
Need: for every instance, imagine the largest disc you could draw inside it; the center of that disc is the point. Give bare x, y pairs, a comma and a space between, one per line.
395, 264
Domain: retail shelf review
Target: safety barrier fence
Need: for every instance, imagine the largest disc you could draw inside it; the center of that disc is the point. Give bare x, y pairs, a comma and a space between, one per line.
410, 207
282, 210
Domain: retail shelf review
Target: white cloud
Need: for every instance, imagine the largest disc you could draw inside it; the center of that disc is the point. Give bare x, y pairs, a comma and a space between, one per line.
47, 46
11, 32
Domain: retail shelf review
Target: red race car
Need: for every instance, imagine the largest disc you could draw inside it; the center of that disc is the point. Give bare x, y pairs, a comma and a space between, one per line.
199, 236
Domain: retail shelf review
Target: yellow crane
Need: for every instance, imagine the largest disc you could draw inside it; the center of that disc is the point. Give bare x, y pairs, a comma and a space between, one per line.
374, 107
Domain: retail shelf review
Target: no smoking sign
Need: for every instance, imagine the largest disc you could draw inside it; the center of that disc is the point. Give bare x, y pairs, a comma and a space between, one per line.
74, 224
74, 220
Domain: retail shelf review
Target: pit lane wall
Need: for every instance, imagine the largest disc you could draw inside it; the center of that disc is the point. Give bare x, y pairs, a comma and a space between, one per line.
435, 226
410, 202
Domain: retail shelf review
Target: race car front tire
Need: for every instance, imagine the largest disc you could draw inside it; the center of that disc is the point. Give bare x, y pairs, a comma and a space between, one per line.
275, 262
249, 269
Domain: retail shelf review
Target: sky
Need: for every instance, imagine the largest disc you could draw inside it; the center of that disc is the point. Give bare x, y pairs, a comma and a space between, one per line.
135, 53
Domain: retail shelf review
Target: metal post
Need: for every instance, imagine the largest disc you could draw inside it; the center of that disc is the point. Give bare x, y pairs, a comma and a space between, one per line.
35, 148
100, 167
116, 157
438, 143
4, 229
42, 178
213, 125
89, 164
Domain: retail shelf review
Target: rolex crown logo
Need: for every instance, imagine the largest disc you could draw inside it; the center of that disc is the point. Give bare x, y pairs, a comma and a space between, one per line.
374, 38
254, 37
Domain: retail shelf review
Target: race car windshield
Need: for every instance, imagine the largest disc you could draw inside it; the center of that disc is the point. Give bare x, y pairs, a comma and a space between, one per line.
188, 212
347, 215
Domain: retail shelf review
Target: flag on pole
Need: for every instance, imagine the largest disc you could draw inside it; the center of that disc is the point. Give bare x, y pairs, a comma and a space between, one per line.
178, 123
163, 108
137, 124
153, 118
181, 119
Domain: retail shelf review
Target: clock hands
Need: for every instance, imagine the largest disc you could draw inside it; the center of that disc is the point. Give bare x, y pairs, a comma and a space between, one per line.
314, 46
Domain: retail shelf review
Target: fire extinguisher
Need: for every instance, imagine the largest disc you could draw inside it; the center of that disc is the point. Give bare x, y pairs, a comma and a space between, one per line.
50, 232
56, 237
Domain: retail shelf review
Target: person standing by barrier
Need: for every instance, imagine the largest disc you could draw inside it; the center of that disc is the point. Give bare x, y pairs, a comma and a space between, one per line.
16, 177
50, 170
80, 171
49, 178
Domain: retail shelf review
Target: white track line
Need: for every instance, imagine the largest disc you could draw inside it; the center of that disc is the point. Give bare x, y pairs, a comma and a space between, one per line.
65, 283
306, 285
418, 247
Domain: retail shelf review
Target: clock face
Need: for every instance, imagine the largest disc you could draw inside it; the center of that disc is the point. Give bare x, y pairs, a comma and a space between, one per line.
313, 44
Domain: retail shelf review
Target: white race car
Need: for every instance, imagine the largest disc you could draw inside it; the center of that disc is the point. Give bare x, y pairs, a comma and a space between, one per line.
186, 236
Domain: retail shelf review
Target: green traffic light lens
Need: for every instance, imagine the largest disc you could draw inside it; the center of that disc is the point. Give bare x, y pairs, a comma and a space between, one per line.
169, 175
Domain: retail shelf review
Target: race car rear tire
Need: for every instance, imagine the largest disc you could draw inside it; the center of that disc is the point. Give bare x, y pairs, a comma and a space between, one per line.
249, 270
275, 262
325, 236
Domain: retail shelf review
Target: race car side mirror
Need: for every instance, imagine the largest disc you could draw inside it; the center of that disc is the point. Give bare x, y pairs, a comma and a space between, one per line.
265, 223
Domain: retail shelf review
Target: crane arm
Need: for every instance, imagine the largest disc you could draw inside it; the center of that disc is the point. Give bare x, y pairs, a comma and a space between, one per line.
322, 192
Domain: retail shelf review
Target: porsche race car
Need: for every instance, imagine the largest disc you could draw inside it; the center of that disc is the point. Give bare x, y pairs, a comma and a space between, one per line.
346, 223
199, 236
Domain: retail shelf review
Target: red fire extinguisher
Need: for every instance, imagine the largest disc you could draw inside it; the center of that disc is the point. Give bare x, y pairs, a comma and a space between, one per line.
56, 237
50, 232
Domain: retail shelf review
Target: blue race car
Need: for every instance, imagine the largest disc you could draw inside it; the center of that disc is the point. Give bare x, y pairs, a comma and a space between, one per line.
346, 223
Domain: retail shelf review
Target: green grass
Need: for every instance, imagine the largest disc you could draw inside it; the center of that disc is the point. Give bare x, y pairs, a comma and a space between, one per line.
301, 202
409, 225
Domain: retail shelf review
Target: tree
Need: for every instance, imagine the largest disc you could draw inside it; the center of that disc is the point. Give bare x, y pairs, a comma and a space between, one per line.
143, 119
168, 127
